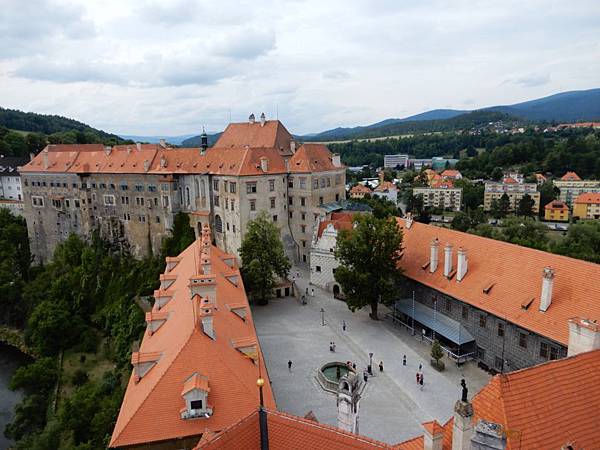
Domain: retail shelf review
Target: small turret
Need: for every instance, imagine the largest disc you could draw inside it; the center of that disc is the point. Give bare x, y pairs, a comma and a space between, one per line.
203, 142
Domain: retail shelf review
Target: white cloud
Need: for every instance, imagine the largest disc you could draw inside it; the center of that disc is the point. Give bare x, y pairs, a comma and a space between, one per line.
171, 66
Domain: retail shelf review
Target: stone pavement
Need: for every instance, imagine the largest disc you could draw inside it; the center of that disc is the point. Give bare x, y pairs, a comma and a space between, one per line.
392, 407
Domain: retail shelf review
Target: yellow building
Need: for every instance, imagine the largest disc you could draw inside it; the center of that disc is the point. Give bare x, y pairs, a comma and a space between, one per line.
556, 211
587, 206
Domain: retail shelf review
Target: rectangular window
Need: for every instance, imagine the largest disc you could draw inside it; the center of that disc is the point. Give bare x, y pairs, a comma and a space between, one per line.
303, 216
233, 226
196, 404
302, 201
303, 244
165, 201
338, 179
275, 218
252, 205
291, 183
76, 203
272, 199
553, 353
124, 200
271, 185
251, 188
303, 228
216, 200
315, 183
482, 320
151, 188
67, 203
522, 340
232, 204
480, 353
226, 203
291, 214
328, 182
109, 200
320, 200
544, 350
232, 187
225, 185
124, 187
498, 363
302, 183
318, 268
500, 329
155, 201
112, 186
164, 187
216, 185
56, 203
290, 200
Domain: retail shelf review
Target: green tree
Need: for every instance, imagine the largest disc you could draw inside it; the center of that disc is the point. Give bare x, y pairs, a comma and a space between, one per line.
548, 192
182, 235
263, 258
437, 352
525, 206
369, 257
582, 241
504, 205
496, 173
525, 231
461, 221
472, 194
381, 207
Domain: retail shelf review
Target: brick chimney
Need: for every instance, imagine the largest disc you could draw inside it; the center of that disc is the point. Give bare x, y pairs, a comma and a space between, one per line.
447, 259
488, 436
336, 160
206, 320
264, 164
292, 146
462, 266
434, 255
263, 120
163, 143
251, 119
45, 158
138, 146
408, 220
107, 150
547, 285
584, 336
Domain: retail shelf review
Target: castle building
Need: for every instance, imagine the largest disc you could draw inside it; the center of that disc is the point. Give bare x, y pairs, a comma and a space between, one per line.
196, 369
132, 192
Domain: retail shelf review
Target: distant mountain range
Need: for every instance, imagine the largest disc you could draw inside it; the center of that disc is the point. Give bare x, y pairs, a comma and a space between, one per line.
177, 140
570, 106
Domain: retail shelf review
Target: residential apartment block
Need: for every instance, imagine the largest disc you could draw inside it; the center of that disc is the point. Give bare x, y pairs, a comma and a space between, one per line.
441, 195
132, 192
515, 192
571, 186
587, 206
395, 161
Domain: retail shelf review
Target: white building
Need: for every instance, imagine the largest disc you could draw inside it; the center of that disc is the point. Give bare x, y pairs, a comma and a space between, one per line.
388, 191
442, 195
394, 161
10, 181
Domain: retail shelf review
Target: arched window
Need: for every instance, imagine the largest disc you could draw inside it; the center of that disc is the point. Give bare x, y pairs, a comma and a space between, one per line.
187, 195
196, 188
218, 224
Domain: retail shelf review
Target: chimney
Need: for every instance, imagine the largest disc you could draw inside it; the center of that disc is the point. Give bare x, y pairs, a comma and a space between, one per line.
263, 119
462, 266
146, 165
264, 164
447, 259
206, 320
293, 146
488, 436
163, 161
163, 143
409, 220
251, 119
336, 160
584, 336
434, 256
547, 285
381, 175
107, 150
31, 156
462, 429
138, 146
433, 437
45, 158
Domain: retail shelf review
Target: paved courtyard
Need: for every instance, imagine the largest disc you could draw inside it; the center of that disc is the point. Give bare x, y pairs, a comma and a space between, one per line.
392, 406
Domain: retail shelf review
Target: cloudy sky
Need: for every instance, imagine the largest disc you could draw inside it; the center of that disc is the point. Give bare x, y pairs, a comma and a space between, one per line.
170, 67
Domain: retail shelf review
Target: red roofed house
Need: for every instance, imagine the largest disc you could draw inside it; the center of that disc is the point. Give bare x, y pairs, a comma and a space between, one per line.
570, 176
359, 191
556, 211
451, 174
587, 206
131, 193
196, 369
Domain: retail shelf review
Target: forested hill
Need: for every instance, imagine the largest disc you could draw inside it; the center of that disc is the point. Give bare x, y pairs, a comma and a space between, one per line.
475, 119
22, 133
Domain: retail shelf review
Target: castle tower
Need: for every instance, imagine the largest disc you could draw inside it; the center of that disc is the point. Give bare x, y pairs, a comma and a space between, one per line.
203, 142
348, 402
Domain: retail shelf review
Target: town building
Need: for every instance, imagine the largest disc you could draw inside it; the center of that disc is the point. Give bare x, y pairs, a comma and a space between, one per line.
540, 179
556, 211
571, 186
515, 192
451, 174
11, 195
196, 369
419, 164
387, 190
441, 195
587, 206
395, 161
439, 163
132, 192
359, 191
516, 176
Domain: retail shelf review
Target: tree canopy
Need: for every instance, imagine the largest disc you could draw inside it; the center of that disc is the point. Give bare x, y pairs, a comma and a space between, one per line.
369, 257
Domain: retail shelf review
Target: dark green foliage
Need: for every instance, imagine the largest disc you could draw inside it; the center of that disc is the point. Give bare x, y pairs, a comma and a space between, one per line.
548, 192
263, 258
382, 207
436, 351
582, 241
182, 235
472, 194
80, 377
525, 206
369, 255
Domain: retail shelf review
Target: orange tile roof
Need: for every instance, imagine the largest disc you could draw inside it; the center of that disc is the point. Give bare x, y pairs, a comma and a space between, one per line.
587, 198
360, 188
417, 442
312, 158
442, 184
557, 205
548, 405
337, 224
510, 180
151, 407
570, 176
450, 173
272, 135
516, 273
288, 432
385, 186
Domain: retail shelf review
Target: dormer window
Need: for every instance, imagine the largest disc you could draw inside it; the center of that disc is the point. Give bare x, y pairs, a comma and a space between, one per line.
195, 394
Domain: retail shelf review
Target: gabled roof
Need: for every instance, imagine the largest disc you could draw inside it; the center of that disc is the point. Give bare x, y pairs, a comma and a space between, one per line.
386, 186
557, 205
9, 165
510, 180
287, 432
588, 197
442, 184
360, 188
270, 135
451, 173
151, 408
312, 158
570, 176
548, 405
516, 275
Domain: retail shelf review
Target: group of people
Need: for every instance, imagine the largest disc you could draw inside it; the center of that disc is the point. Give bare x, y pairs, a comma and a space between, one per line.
420, 376
332, 346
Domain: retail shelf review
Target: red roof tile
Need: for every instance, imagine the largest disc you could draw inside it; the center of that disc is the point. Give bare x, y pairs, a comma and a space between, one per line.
588, 197
360, 188
517, 276
570, 176
557, 205
312, 158
270, 135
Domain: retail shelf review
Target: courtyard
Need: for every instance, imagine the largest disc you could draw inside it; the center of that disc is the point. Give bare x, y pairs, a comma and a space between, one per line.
393, 406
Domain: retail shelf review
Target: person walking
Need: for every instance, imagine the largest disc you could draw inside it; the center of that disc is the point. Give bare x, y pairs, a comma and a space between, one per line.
304, 299
404, 360
381, 366
420, 367
343, 325
290, 365
418, 377
333, 347
306, 291
365, 376
354, 366
330, 346
312, 291
421, 381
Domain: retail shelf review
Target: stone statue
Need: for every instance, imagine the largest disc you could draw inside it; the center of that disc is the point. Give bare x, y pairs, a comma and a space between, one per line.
465, 391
